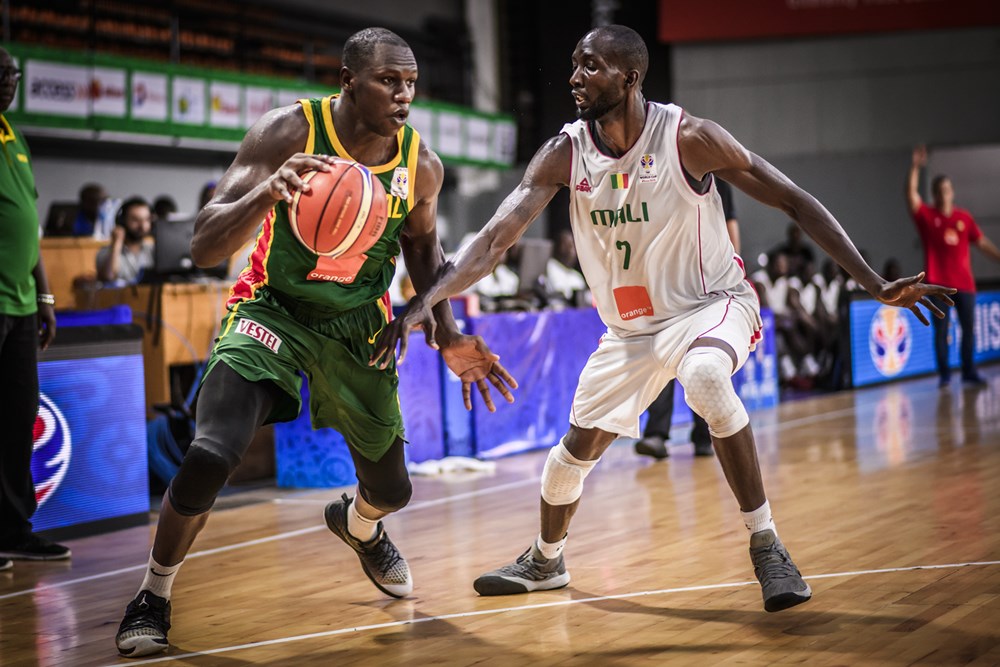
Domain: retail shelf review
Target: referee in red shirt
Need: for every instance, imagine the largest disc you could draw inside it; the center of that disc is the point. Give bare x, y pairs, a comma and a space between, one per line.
947, 232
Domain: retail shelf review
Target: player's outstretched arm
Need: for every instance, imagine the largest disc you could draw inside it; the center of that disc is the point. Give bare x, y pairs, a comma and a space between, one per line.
467, 356
266, 170
546, 173
706, 147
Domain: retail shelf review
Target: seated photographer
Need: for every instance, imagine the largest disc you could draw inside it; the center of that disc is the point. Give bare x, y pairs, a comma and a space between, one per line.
130, 251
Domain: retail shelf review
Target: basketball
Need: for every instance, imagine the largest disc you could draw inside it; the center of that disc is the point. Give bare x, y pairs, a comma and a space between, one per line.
344, 212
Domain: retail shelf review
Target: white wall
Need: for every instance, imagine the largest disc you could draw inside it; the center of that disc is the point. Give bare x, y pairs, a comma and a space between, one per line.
840, 116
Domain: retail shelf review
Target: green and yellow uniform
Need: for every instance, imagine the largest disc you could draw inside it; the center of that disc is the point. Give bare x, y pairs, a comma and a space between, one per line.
291, 310
19, 221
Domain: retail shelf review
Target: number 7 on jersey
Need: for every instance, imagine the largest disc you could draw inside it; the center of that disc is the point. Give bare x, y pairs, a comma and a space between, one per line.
624, 245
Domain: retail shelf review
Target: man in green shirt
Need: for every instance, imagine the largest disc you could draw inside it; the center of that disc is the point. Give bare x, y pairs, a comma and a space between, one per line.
27, 314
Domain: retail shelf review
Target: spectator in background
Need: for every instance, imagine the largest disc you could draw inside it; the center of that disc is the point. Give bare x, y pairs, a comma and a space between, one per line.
207, 192
795, 249
661, 412
164, 207
773, 284
27, 320
92, 197
562, 275
502, 282
946, 232
130, 252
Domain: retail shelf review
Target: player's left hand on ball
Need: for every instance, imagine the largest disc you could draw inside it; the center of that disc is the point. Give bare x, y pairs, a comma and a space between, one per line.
908, 292
471, 360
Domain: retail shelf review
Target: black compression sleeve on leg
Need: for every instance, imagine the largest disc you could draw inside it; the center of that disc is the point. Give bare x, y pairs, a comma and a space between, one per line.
385, 484
230, 410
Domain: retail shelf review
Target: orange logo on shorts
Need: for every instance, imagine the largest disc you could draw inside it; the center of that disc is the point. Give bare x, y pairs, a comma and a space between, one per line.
633, 302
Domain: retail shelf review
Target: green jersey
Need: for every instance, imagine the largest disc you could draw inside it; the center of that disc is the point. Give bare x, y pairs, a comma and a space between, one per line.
323, 284
18, 224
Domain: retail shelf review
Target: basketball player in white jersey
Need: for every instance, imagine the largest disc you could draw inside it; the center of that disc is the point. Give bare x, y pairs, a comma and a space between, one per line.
652, 242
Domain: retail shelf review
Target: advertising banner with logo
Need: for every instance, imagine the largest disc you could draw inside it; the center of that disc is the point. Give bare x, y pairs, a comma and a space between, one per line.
889, 343
188, 101
89, 462
86, 94
450, 130
149, 96
226, 107
54, 88
258, 102
477, 138
108, 91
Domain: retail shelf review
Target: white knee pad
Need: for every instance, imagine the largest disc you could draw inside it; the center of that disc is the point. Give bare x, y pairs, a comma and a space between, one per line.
708, 389
562, 478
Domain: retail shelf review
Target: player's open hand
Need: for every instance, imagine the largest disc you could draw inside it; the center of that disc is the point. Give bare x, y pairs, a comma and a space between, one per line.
284, 183
471, 360
908, 292
417, 315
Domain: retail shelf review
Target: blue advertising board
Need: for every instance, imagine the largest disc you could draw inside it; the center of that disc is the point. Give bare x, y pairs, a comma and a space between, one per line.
889, 343
89, 461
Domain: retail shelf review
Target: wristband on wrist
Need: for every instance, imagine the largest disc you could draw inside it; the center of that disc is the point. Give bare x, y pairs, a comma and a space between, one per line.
47, 299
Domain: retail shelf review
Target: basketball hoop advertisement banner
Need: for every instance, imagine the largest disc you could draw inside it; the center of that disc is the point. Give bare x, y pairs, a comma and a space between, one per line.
889, 343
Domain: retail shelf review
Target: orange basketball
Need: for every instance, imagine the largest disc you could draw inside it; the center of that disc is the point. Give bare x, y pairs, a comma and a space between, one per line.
344, 212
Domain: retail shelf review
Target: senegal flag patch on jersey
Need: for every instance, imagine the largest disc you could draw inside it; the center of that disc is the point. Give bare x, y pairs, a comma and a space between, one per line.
619, 181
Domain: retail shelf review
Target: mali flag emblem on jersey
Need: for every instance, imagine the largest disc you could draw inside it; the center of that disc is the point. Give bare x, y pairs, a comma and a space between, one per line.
619, 181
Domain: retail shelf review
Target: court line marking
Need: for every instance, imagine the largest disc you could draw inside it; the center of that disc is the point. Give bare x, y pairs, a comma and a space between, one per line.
278, 536
528, 607
776, 426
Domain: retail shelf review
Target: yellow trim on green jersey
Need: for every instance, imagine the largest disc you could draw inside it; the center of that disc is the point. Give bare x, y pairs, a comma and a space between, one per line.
307, 110
331, 133
411, 166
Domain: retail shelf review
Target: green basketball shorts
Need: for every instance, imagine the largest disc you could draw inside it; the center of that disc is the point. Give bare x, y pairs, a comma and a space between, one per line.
267, 339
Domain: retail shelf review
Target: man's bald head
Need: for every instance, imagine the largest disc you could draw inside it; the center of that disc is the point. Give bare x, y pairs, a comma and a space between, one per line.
621, 46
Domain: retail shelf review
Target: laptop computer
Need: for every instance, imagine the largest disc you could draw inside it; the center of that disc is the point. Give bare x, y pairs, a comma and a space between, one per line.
61, 217
172, 253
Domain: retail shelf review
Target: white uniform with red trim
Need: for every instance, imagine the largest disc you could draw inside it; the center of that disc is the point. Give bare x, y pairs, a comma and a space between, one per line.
661, 267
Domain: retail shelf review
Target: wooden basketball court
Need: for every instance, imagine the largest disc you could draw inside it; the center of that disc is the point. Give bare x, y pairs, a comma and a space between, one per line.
888, 499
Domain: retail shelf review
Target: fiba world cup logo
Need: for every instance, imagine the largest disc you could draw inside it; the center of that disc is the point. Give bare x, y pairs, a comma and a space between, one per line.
889, 341
53, 447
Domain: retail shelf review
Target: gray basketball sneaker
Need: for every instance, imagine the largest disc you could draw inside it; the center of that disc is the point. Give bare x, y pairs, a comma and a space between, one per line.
781, 584
530, 572
380, 559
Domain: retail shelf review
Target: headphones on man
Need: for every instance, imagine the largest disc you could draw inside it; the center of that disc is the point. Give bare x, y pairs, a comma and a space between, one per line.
126, 205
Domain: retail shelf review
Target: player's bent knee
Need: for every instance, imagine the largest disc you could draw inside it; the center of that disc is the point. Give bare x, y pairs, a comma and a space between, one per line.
705, 374
390, 500
202, 475
563, 476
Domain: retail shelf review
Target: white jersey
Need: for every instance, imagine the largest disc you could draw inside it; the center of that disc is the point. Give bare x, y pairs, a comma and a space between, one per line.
652, 249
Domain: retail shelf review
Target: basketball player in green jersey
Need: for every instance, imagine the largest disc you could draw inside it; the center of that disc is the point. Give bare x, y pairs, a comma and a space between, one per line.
292, 311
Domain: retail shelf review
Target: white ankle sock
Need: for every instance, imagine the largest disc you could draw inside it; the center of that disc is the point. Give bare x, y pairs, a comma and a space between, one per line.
159, 579
760, 519
358, 526
551, 549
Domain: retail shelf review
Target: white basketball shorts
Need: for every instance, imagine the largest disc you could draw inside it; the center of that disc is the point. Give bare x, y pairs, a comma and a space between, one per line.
626, 374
